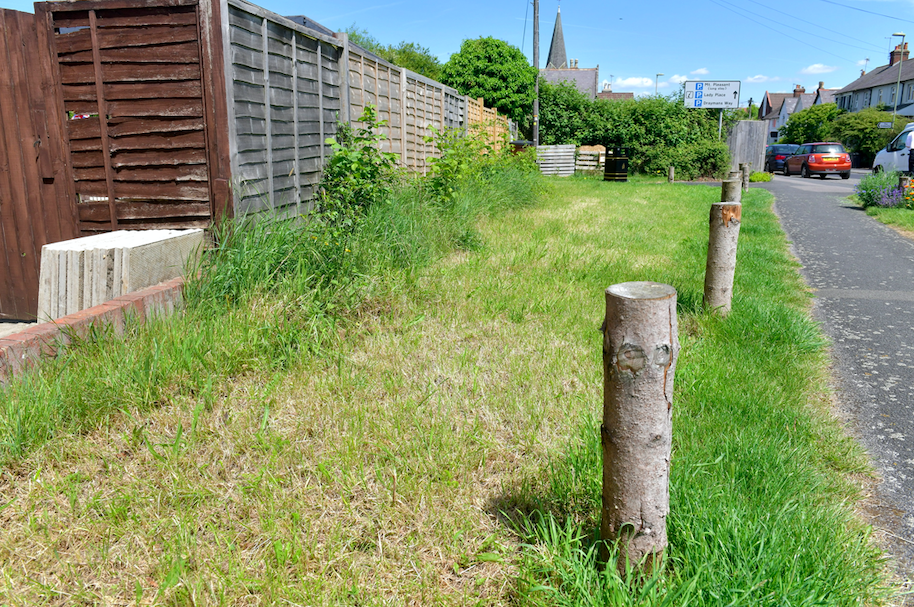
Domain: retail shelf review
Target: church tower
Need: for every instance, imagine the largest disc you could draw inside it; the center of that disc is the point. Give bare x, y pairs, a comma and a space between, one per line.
557, 59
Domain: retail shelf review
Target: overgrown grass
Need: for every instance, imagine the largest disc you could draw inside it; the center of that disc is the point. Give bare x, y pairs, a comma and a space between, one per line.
410, 416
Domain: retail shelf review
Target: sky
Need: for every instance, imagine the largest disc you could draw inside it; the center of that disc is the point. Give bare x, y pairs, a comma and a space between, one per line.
766, 46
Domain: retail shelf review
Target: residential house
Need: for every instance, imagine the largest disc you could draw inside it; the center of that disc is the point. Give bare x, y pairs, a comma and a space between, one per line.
608, 94
776, 108
878, 86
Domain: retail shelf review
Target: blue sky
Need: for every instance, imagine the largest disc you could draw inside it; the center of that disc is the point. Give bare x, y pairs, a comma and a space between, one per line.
766, 46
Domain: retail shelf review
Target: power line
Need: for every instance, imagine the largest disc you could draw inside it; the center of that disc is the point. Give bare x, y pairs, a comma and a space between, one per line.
870, 44
754, 18
863, 10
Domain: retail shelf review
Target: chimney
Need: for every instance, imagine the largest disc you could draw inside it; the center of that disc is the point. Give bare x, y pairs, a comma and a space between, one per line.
798, 90
899, 54
821, 84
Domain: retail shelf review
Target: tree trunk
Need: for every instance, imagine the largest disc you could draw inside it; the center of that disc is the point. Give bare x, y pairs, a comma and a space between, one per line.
730, 191
640, 348
721, 265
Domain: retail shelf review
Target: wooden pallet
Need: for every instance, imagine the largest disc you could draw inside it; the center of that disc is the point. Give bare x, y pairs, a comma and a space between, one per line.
556, 159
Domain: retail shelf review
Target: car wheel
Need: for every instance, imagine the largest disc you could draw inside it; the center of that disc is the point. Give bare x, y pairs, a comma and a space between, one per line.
846, 175
785, 170
804, 172
877, 169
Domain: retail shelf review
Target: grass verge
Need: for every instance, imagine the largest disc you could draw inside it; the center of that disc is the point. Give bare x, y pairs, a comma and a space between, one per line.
402, 428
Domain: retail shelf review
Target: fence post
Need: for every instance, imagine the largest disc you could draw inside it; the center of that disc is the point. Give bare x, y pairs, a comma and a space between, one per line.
640, 348
670, 174
722, 239
744, 175
904, 181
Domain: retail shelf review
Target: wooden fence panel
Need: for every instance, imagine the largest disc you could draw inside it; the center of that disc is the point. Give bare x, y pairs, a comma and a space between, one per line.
36, 199
284, 101
142, 138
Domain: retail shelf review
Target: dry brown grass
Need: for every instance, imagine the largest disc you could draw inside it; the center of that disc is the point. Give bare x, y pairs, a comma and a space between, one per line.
374, 476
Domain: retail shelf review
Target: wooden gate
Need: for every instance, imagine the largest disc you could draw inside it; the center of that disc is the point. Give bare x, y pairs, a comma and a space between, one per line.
142, 89
36, 195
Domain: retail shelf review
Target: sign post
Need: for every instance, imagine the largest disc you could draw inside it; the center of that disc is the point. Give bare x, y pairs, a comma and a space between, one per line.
718, 94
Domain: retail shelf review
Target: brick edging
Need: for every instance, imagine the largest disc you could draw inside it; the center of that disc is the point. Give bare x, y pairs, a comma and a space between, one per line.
22, 350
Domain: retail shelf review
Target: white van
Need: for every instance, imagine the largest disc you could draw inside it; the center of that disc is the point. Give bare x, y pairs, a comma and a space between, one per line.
894, 157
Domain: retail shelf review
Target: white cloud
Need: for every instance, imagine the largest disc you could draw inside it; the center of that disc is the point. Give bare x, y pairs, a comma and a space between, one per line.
635, 82
700, 71
677, 79
818, 68
758, 78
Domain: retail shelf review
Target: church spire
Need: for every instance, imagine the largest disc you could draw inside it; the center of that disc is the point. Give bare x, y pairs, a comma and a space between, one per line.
557, 58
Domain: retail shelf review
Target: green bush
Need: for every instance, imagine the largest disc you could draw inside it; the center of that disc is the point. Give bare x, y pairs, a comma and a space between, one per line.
358, 174
875, 189
658, 131
759, 176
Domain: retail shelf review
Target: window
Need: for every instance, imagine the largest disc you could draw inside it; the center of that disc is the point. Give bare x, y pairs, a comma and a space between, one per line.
866, 98
879, 100
911, 92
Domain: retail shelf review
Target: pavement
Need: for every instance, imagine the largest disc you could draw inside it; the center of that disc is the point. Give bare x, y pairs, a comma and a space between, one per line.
862, 275
8, 327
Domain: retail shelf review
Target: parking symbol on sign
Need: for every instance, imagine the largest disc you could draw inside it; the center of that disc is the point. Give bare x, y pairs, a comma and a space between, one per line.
698, 103
699, 94
699, 86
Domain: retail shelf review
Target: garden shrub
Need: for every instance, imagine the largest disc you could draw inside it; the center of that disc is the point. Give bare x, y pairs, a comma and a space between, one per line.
879, 189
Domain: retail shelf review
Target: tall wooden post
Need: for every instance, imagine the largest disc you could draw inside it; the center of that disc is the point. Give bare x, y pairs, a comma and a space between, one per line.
723, 235
744, 175
670, 174
640, 348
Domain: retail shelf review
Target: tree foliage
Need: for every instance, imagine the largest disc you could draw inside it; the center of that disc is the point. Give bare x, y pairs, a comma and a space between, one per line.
658, 131
410, 55
497, 72
812, 124
859, 133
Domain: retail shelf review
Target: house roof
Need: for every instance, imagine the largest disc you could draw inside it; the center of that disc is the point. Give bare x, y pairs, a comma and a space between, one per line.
882, 75
774, 102
825, 95
584, 79
615, 96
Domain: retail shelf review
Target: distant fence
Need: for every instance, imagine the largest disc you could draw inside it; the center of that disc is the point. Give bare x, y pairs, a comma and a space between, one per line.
747, 144
289, 86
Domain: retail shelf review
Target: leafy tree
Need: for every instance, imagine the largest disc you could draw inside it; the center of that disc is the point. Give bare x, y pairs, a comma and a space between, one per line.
566, 115
497, 72
859, 133
410, 55
812, 124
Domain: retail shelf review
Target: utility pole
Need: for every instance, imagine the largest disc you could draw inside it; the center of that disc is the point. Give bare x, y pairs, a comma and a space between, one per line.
536, 65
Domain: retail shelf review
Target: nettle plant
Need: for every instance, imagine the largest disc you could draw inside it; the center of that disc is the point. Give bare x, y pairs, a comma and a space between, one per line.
358, 174
463, 152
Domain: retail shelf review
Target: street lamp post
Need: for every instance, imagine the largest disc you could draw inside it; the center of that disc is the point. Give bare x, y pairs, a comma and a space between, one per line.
898, 84
656, 80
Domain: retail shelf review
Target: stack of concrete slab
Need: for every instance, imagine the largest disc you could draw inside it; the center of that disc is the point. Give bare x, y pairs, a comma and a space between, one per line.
85, 272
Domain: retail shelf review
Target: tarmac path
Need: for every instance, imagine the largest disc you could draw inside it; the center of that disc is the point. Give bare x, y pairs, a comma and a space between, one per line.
862, 275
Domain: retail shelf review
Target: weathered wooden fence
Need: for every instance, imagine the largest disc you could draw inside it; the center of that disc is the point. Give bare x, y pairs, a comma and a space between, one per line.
137, 114
35, 192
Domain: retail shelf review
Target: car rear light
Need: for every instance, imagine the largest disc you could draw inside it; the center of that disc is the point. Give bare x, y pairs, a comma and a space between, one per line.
780, 157
813, 159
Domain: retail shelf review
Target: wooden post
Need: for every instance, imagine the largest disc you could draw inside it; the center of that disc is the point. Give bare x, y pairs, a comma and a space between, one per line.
744, 175
640, 348
734, 175
730, 191
722, 239
904, 181
670, 174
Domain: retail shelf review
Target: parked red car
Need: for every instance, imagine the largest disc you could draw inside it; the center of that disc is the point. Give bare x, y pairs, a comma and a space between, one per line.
820, 158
